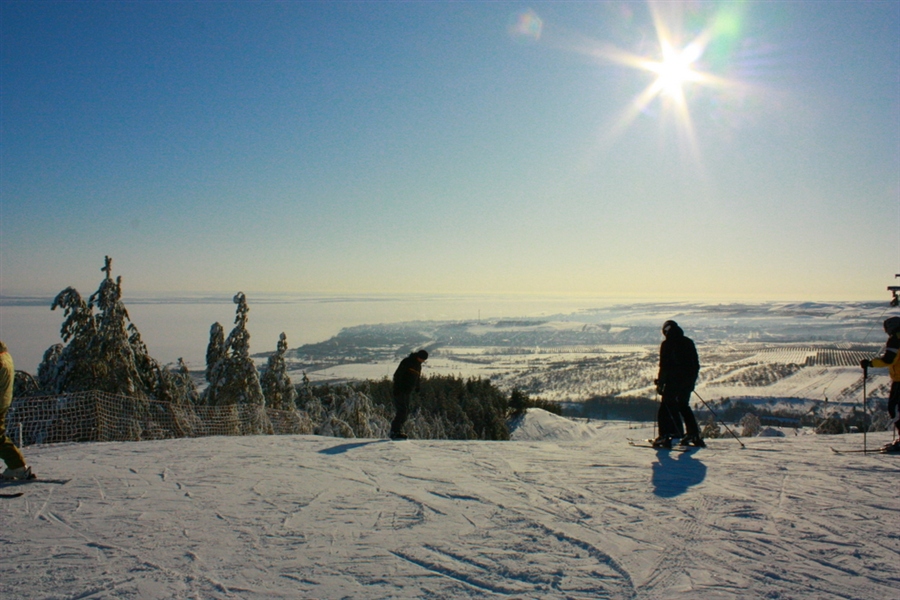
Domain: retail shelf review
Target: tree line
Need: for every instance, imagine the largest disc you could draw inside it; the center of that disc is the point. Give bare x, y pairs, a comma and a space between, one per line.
102, 350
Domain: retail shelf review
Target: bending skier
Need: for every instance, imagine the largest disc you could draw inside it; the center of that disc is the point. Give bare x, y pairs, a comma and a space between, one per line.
11, 455
679, 367
889, 359
406, 381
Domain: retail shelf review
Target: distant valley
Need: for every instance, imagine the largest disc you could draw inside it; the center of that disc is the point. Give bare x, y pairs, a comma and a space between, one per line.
768, 352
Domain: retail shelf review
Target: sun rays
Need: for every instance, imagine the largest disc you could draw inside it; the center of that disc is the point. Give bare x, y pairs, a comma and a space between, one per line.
677, 68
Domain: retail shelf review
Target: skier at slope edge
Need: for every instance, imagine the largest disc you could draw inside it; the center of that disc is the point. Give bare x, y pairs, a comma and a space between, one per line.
9, 453
406, 381
679, 366
889, 359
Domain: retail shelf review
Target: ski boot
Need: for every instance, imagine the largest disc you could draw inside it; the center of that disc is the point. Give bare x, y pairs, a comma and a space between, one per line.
663, 441
19, 474
692, 440
892, 448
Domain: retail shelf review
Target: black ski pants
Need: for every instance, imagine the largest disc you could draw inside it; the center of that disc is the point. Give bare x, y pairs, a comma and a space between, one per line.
687, 415
894, 404
401, 405
675, 414
668, 417
9, 453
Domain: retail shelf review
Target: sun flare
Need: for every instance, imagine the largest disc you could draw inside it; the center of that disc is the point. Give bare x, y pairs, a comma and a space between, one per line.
675, 70
679, 68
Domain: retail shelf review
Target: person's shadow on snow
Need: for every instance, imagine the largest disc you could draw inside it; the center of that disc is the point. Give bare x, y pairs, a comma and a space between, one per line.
673, 476
340, 449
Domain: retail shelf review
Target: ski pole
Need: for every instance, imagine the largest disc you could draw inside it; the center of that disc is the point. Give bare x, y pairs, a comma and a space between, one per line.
865, 425
656, 424
727, 428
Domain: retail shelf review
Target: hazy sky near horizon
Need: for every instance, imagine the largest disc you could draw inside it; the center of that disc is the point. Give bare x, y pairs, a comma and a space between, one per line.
465, 147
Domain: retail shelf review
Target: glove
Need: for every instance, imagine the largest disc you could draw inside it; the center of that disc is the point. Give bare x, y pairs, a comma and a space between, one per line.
865, 364
660, 387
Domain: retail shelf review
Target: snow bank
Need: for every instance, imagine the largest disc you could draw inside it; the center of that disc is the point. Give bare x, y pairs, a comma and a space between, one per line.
538, 424
770, 432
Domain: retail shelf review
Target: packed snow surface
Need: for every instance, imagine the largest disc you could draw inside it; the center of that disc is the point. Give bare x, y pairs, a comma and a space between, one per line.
565, 510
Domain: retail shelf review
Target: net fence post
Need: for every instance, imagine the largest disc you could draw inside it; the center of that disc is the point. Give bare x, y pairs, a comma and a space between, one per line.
98, 421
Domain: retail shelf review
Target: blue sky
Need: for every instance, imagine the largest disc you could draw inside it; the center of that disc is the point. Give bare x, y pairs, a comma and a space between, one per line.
468, 147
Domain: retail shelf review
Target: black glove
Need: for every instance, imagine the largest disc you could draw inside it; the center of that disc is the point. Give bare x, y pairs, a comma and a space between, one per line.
865, 364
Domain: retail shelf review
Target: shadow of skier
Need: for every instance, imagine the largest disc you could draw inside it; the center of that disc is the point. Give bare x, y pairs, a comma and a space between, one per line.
341, 448
673, 476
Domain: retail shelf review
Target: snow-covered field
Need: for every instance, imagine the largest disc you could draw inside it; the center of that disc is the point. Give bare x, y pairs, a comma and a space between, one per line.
573, 375
748, 352
565, 510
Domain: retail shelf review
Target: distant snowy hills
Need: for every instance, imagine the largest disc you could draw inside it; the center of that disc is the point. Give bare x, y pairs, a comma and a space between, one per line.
808, 351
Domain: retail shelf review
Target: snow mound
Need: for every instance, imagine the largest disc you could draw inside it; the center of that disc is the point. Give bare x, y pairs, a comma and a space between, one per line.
539, 425
770, 432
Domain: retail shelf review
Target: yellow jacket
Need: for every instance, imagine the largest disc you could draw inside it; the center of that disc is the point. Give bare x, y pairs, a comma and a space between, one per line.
7, 377
890, 359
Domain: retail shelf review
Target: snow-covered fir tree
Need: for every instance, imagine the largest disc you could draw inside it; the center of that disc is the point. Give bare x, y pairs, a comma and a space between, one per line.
162, 383
216, 363
711, 429
277, 388
357, 410
230, 371
110, 345
67, 367
215, 352
176, 385
750, 425
103, 350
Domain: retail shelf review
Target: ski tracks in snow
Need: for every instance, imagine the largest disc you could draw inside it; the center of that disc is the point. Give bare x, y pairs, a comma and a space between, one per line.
310, 517
754, 533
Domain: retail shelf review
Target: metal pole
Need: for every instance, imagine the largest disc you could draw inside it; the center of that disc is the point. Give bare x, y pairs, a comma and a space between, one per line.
709, 408
656, 425
865, 409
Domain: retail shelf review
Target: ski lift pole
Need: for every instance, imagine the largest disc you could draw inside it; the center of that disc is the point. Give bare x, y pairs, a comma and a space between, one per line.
895, 293
727, 428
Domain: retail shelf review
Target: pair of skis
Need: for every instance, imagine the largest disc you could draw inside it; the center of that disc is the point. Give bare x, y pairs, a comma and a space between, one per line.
21, 482
649, 444
873, 451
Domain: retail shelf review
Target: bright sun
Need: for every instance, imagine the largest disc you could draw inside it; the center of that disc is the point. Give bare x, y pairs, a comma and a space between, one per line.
675, 70
692, 38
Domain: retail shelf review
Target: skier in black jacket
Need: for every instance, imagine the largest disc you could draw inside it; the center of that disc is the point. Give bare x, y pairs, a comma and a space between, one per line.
678, 370
406, 381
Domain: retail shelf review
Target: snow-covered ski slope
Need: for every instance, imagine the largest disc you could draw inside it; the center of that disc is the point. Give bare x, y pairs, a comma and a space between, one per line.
566, 510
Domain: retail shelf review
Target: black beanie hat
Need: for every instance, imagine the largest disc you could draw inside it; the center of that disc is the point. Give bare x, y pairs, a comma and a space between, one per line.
891, 325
